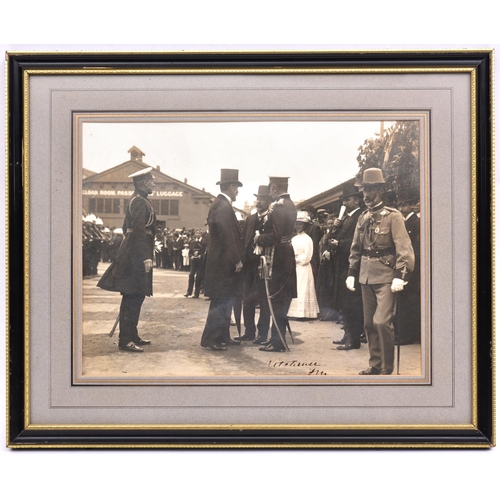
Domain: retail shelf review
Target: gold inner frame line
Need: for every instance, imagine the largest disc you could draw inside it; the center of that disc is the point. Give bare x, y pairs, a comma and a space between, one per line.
108, 71
86, 117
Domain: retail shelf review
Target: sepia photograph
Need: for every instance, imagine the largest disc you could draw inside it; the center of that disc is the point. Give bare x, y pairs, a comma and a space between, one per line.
244, 248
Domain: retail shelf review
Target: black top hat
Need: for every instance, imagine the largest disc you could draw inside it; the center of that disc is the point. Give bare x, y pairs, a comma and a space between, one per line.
278, 180
350, 190
263, 191
229, 176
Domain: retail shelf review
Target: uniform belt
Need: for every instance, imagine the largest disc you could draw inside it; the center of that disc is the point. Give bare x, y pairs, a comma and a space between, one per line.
147, 231
378, 253
286, 239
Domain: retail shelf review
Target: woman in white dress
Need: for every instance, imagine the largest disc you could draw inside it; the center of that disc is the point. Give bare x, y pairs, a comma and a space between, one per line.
306, 304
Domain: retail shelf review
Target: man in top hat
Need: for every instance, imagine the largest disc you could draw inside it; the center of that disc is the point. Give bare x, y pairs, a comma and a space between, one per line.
380, 260
408, 313
254, 290
278, 242
131, 273
348, 302
315, 232
224, 263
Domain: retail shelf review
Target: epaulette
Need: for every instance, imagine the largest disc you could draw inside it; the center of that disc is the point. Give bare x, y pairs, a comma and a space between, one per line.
391, 209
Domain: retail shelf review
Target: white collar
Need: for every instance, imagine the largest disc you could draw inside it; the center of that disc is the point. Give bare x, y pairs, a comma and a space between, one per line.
227, 197
350, 213
409, 215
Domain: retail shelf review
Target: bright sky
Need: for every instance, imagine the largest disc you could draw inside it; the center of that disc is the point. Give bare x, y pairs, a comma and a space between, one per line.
316, 155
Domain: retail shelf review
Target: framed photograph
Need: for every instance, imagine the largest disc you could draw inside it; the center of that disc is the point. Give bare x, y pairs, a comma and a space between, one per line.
250, 250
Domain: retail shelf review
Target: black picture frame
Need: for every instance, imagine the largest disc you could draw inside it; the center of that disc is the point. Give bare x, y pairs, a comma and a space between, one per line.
20, 435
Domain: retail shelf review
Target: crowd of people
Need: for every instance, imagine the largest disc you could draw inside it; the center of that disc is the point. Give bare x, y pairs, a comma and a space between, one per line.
358, 267
172, 247
99, 243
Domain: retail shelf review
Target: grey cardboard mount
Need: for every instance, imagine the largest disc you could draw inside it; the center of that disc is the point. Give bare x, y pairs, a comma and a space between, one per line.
53, 304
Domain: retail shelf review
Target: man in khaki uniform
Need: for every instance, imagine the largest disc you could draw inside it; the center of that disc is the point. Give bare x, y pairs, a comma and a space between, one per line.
381, 258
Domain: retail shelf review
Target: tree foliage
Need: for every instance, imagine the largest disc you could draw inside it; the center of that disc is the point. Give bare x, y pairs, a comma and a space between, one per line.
397, 153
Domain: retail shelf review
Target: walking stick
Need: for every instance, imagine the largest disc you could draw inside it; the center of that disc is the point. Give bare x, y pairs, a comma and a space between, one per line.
398, 357
237, 313
289, 330
398, 346
111, 333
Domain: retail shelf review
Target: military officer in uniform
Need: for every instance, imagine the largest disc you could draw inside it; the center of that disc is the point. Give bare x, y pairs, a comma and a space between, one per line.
224, 263
87, 248
283, 282
131, 273
380, 260
254, 291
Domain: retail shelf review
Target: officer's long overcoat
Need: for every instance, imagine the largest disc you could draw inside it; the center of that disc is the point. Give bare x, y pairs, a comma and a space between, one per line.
127, 273
225, 250
283, 216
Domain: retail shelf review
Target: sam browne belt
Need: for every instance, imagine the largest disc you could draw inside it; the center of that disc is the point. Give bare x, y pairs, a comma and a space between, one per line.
147, 231
382, 252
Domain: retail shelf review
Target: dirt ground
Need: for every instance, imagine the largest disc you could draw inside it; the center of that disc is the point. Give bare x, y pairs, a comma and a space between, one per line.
175, 324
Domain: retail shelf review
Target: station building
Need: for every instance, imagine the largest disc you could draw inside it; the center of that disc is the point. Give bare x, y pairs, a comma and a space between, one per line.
177, 204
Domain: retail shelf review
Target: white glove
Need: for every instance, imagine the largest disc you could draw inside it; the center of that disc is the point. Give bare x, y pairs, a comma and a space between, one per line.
397, 285
326, 255
148, 265
349, 283
258, 250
